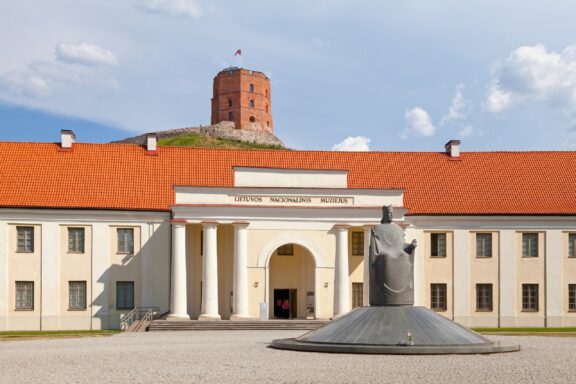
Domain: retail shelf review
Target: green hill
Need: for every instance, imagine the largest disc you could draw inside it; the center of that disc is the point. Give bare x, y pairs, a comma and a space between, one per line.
199, 140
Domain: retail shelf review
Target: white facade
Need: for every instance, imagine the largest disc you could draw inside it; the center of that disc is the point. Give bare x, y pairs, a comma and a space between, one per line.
222, 252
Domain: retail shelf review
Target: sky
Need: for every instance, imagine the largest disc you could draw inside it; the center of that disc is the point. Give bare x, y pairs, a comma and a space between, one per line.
345, 75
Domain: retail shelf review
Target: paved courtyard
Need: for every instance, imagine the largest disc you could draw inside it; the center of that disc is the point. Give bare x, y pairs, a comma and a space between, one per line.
243, 357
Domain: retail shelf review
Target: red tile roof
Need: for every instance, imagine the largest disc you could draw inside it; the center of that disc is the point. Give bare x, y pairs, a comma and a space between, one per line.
120, 176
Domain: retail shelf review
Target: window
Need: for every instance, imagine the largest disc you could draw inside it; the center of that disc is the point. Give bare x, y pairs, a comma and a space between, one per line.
251, 103
25, 241
266, 93
572, 245
438, 245
76, 295
530, 297
266, 108
529, 245
24, 295
251, 87
358, 243
483, 245
125, 240
438, 299
572, 297
286, 250
124, 295
252, 119
230, 116
357, 295
229, 103
75, 240
484, 297
201, 243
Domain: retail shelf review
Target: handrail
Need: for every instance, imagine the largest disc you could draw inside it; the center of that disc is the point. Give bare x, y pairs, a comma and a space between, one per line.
139, 314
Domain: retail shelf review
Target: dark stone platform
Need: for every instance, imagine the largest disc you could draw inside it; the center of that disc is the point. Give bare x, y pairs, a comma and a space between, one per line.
384, 330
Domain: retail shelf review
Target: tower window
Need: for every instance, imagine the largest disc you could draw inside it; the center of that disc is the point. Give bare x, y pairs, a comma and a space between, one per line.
266, 93
266, 108
229, 102
251, 103
268, 124
252, 119
230, 116
251, 87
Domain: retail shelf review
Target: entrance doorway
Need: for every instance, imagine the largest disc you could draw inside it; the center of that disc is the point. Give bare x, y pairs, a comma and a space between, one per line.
292, 282
285, 303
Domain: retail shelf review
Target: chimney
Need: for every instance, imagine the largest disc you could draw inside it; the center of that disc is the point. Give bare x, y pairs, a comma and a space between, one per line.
151, 142
67, 139
453, 148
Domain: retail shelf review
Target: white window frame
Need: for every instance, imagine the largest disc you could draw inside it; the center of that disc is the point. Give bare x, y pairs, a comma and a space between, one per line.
77, 295
125, 243
24, 296
25, 239
76, 242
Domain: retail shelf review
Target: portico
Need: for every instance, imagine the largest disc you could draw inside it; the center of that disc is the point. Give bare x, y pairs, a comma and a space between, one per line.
231, 234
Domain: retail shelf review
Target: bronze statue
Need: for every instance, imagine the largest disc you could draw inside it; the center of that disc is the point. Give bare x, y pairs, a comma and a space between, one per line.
391, 264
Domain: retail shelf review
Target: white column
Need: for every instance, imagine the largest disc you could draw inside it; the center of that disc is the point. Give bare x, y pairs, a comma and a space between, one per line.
3, 276
461, 277
50, 303
341, 283
366, 285
178, 301
240, 290
210, 273
508, 282
554, 285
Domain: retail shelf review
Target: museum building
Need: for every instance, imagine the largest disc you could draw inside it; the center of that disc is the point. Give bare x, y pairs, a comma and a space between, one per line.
90, 231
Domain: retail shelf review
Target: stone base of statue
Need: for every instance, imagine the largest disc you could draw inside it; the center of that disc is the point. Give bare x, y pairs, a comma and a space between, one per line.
403, 330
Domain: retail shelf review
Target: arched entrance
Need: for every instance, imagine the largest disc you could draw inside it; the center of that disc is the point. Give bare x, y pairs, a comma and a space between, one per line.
292, 283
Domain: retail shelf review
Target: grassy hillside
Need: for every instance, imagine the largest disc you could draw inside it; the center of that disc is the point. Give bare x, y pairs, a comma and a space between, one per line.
199, 140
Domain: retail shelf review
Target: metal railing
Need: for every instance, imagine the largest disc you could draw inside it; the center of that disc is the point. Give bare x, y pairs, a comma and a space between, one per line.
142, 315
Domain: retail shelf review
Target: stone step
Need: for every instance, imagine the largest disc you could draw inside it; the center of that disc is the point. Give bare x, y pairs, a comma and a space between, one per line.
226, 325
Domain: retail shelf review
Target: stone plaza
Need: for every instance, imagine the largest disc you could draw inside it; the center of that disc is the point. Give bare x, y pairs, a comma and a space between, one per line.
244, 356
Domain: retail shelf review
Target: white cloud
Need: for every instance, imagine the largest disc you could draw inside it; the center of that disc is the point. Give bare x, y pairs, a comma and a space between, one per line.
25, 83
85, 53
534, 74
188, 8
353, 143
465, 131
45, 78
456, 109
418, 123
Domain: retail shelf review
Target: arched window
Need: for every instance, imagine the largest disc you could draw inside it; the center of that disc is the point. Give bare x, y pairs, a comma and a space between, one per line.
266, 108
266, 93
230, 116
252, 119
229, 102
251, 103
268, 124
251, 87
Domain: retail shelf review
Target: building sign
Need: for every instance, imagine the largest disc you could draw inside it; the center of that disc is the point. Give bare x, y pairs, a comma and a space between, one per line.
330, 201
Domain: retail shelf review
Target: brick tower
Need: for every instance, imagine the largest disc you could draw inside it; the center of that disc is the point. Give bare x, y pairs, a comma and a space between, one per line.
242, 96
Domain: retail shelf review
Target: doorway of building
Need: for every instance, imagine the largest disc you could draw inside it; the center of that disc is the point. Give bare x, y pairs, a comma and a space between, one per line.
285, 303
292, 281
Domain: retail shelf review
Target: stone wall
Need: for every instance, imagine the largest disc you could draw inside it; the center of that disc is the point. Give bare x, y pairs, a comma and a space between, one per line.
224, 130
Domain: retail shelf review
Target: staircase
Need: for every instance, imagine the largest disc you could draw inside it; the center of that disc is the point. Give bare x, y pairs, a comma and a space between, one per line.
227, 325
138, 319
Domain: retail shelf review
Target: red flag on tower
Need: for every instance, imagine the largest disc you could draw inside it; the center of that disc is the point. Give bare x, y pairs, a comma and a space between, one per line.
238, 53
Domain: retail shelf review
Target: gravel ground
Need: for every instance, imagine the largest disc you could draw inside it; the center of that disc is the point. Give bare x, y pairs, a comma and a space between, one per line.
243, 357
